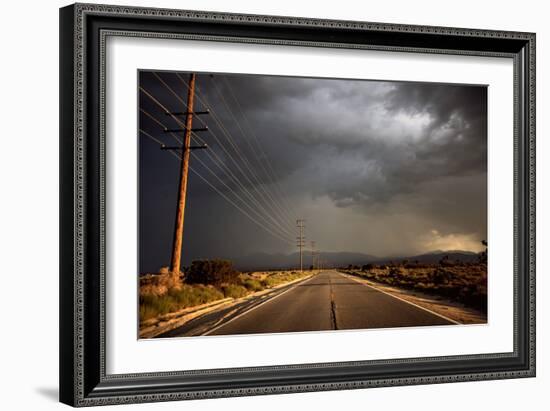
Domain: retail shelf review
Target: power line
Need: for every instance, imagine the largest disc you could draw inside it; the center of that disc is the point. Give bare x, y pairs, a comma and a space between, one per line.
266, 195
223, 194
219, 163
237, 123
156, 140
272, 174
269, 202
235, 205
179, 122
159, 123
288, 230
267, 198
212, 155
274, 226
223, 167
225, 130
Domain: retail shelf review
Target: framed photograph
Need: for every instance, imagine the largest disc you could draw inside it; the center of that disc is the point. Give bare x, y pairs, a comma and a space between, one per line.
261, 204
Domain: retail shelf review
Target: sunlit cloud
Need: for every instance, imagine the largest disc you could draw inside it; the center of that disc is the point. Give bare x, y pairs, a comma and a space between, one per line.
434, 240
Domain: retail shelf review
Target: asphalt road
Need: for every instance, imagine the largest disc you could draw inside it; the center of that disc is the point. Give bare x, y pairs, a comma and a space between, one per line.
327, 301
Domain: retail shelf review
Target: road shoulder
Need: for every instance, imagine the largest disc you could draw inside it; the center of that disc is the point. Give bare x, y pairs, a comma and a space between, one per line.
449, 309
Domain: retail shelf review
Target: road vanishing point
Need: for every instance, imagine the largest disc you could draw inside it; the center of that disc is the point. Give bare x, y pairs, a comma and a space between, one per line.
327, 301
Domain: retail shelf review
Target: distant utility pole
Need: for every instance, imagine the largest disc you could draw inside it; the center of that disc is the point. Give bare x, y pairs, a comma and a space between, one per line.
313, 255
301, 240
175, 263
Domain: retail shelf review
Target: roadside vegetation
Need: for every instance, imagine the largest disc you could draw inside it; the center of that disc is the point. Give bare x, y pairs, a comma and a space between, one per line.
458, 281
152, 305
203, 282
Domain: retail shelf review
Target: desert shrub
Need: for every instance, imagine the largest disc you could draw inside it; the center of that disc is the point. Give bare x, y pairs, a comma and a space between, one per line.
475, 296
268, 282
151, 305
441, 276
234, 291
164, 270
214, 272
252, 285
395, 272
369, 274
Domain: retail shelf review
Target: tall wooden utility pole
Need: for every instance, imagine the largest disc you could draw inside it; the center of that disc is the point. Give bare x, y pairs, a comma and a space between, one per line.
313, 255
301, 240
182, 192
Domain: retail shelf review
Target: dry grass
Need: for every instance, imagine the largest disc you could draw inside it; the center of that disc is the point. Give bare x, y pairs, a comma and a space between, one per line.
283, 277
234, 291
152, 305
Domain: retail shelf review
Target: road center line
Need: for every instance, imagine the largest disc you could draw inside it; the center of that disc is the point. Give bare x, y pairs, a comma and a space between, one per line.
332, 306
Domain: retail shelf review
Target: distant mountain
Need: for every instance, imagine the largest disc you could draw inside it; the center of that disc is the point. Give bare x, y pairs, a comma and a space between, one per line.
265, 261
434, 257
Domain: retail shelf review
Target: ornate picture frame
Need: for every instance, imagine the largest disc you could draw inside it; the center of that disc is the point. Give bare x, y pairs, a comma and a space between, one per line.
84, 29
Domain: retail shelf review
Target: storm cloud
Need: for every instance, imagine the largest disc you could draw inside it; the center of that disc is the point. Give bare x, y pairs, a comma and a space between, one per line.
383, 168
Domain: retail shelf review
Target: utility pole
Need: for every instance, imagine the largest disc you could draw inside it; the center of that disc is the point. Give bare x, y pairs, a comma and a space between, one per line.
175, 262
301, 240
313, 255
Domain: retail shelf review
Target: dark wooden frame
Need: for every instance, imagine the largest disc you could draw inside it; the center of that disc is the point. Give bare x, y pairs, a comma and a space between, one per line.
83, 29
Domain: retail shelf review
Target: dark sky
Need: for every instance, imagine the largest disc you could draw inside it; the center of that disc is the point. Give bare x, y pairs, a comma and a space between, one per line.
383, 168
